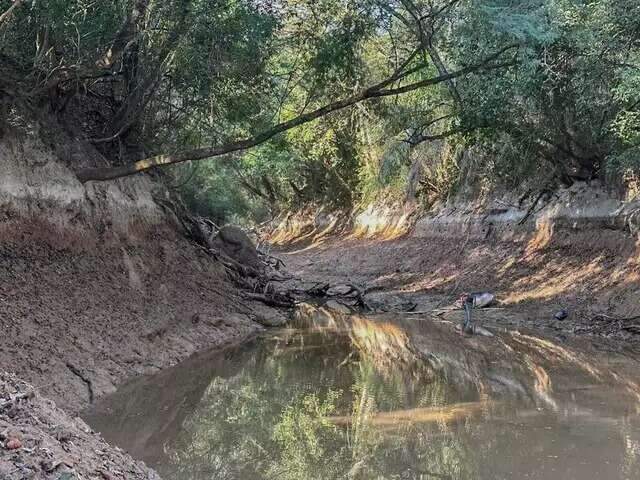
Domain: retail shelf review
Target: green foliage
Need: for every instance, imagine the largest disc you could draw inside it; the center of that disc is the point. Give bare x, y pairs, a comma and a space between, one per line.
206, 192
276, 416
75, 30
440, 177
207, 72
218, 77
303, 434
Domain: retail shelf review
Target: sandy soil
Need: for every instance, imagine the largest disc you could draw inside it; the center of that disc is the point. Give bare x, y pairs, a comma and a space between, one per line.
595, 275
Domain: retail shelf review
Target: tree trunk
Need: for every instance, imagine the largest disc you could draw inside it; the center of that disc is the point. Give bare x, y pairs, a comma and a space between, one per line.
7, 14
125, 36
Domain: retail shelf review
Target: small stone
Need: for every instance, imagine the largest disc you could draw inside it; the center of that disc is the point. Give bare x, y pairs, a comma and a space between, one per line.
337, 306
66, 476
561, 314
13, 444
341, 290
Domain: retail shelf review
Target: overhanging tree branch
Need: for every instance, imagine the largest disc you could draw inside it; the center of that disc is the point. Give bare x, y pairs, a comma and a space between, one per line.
7, 14
376, 91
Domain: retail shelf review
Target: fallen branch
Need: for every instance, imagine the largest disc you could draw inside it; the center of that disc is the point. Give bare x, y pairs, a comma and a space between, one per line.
318, 289
280, 278
272, 260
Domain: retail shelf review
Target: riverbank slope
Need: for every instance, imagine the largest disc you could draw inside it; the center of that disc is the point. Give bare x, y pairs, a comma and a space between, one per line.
576, 250
97, 284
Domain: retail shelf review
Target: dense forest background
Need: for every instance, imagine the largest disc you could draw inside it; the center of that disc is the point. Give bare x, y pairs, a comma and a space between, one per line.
253, 107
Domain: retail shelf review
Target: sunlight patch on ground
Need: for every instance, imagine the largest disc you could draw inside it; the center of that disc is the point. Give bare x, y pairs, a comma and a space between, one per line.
545, 285
544, 233
381, 224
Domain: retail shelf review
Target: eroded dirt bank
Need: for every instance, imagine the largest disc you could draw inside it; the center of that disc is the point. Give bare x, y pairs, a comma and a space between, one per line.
97, 284
588, 264
42, 441
76, 324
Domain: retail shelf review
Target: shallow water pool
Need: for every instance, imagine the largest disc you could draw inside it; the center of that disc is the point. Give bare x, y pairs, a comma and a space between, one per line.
363, 398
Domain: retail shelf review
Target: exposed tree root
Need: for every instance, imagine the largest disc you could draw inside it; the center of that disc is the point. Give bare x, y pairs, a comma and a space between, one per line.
260, 275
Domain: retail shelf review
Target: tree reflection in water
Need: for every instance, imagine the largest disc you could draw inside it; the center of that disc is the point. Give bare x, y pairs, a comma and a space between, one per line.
354, 398
277, 419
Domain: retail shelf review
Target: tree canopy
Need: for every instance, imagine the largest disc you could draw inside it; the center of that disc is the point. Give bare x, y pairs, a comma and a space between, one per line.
333, 101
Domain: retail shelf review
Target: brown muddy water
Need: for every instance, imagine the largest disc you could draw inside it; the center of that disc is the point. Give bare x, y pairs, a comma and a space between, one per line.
351, 397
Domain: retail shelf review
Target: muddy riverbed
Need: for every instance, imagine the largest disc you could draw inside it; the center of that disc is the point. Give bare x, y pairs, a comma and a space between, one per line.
350, 396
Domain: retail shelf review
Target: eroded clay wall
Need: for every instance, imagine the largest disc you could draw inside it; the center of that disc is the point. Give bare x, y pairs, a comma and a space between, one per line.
41, 198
